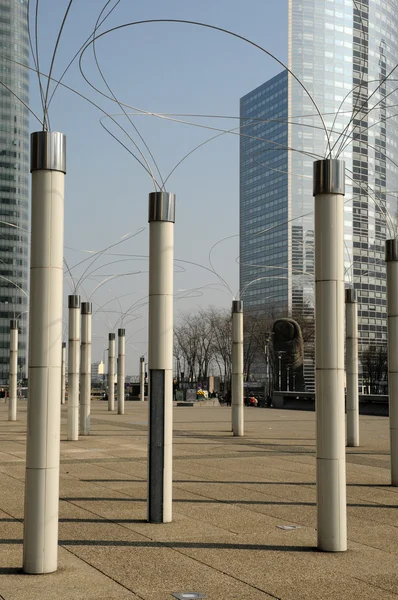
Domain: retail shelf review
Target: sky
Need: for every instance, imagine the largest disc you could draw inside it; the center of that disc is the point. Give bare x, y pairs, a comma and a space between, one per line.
168, 69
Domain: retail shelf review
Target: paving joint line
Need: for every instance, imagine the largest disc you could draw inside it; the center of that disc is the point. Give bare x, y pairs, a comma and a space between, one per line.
168, 545
377, 587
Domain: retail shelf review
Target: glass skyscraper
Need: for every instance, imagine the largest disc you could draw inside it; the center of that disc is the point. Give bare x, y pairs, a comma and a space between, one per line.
14, 179
342, 51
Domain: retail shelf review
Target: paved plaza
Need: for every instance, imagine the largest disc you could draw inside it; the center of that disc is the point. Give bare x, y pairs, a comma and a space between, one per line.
232, 498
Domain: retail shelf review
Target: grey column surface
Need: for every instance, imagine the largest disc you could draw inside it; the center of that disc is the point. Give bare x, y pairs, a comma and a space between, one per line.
111, 372
392, 332
160, 355
352, 397
13, 372
121, 334
142, 378
73, 366
237, 368
329, 175
63, 369
48, 167
85, 369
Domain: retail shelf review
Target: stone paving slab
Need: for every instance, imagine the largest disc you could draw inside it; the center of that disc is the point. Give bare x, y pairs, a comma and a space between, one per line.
231, 495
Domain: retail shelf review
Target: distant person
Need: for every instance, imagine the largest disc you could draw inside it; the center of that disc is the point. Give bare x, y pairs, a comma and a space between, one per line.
228, 398
253, 401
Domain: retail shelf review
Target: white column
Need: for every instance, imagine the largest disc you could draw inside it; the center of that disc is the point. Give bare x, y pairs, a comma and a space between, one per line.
63, 371
392, 332
111, 372
48, 162
352, 397
329, 355
160, 356
13, 372
85, 369
142, 378
121, 351
237, 368
73, 366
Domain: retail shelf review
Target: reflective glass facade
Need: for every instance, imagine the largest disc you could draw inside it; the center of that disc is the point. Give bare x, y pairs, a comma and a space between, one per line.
14, 179
341, 51
263, 195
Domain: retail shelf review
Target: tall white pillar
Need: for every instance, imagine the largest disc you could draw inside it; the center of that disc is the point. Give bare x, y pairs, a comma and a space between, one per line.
237, 368
329, 355
142, 378
63, 371
121, 375
73, 366
160, 356
352, 397
111, 372
85, 369
13, 372
392, 332
48, 167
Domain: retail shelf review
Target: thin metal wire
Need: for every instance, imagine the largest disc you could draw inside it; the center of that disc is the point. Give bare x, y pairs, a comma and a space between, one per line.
131, 122
347, 143
84, 98
234, 130
125, 238
36, 70
80, 49
103, 250
53, 60
22, 102
215, 28
133, 125
386, 213
382, 82
362, 32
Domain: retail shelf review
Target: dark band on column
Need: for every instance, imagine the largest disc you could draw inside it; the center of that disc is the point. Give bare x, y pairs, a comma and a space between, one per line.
156, 445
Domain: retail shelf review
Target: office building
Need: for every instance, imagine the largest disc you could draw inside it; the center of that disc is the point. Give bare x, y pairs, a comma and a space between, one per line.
97, 371
14, 179
342, 53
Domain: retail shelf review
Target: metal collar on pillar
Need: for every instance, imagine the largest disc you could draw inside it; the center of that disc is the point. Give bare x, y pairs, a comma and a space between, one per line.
87, 308
237, 306
391, 250
13, 324
329, 177
111, 336
161, 207
351, 295
121, 332
48, 151
73, 301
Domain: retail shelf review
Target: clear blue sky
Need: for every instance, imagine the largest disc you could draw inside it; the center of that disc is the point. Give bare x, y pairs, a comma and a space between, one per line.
163, 68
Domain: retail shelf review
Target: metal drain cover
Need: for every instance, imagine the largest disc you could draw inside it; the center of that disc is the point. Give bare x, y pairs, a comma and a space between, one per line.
187, 595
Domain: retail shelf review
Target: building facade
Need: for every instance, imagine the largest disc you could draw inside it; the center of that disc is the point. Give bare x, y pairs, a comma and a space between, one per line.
344, 54
98, 371
14, 179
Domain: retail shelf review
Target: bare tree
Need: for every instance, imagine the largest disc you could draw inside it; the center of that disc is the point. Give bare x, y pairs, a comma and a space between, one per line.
375, 366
